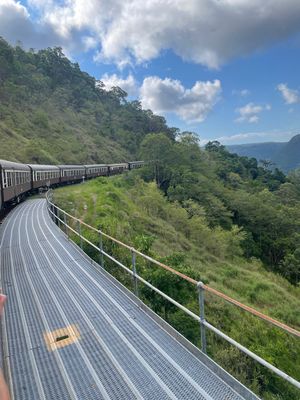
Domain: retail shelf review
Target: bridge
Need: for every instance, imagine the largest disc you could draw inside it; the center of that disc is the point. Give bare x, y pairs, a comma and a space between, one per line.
72, 331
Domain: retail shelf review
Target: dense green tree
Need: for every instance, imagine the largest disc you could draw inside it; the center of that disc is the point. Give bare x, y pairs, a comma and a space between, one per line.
231, 190
44, 94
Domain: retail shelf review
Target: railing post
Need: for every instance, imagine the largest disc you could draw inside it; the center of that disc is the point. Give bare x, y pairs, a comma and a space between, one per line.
101, 249
58, 219
134, 278
200, 288
55, 214
65, 223
79, 233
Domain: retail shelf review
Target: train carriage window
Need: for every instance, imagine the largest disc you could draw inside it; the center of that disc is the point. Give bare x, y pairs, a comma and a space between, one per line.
8, 179
4, 178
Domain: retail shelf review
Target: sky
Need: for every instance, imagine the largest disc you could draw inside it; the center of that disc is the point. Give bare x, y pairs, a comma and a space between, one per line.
227, 70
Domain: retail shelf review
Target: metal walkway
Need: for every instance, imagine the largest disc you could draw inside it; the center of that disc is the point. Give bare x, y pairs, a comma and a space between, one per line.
71, 331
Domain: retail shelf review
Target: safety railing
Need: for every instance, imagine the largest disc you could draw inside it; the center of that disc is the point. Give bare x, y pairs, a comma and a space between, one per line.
59, 216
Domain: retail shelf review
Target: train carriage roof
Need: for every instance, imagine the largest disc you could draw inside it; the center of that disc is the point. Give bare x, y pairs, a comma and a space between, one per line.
95, 165
71, 166
13, 165
37, 167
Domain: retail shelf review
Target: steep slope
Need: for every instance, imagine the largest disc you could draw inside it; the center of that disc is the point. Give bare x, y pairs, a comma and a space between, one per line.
51, 111
260, 151
137, 213
288, 157
285, 155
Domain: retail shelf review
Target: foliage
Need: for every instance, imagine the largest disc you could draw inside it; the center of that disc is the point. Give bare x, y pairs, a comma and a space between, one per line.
180, 235
47, 102
231, 191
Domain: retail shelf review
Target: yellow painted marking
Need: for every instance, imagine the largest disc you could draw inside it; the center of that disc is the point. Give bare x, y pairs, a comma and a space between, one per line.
61, 337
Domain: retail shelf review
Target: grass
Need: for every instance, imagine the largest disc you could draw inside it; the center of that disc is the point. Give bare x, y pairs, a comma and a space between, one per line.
138, 214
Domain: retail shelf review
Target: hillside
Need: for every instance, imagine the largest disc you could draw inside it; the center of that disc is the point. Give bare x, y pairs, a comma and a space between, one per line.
285, 155
288, 157
217, 217
260, 151
138, 214
52, 112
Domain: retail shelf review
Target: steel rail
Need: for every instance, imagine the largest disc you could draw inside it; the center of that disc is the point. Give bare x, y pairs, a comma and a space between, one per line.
194, 316
216, 292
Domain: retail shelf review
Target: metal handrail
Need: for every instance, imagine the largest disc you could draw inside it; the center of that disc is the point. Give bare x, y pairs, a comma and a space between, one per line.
216, 292
200, 286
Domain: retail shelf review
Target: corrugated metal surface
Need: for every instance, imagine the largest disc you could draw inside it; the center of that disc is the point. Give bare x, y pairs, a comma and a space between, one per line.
122, 353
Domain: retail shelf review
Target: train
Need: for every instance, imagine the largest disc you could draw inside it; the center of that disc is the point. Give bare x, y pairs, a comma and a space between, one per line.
19, 180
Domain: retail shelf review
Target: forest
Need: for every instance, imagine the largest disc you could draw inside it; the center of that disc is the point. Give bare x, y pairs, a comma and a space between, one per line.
52, 112
216, 217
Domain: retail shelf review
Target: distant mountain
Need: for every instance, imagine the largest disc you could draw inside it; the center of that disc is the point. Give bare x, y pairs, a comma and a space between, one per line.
285, 155
288, 157
261, 151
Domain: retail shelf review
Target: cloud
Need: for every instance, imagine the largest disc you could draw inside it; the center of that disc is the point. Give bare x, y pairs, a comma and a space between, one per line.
291, 96
241, 93
208, 32
250, 112
16, 25
170, 96
256, 137
128, 84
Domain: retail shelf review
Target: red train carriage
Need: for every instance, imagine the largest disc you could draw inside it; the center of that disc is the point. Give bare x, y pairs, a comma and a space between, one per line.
135, 164
44, 175
94, 170
71, 173
15, 181
117, 168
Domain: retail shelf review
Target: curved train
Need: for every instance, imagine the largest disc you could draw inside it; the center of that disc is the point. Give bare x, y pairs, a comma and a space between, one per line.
18, 180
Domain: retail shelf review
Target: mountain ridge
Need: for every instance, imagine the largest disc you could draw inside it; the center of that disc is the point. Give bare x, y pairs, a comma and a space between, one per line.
284, 155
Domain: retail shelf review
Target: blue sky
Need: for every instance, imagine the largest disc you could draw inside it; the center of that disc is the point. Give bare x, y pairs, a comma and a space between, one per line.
226, 69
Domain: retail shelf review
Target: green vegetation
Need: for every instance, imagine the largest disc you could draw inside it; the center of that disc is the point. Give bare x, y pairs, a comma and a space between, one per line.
139, 214
52, 112
215, 216
232, 193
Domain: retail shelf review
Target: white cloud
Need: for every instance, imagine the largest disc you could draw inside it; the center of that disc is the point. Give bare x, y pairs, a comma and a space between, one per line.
89, 43
128, 84
16, 25
256, 137
250, 112
168, 95
242, 92
208, 32
291, 96
14, 17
